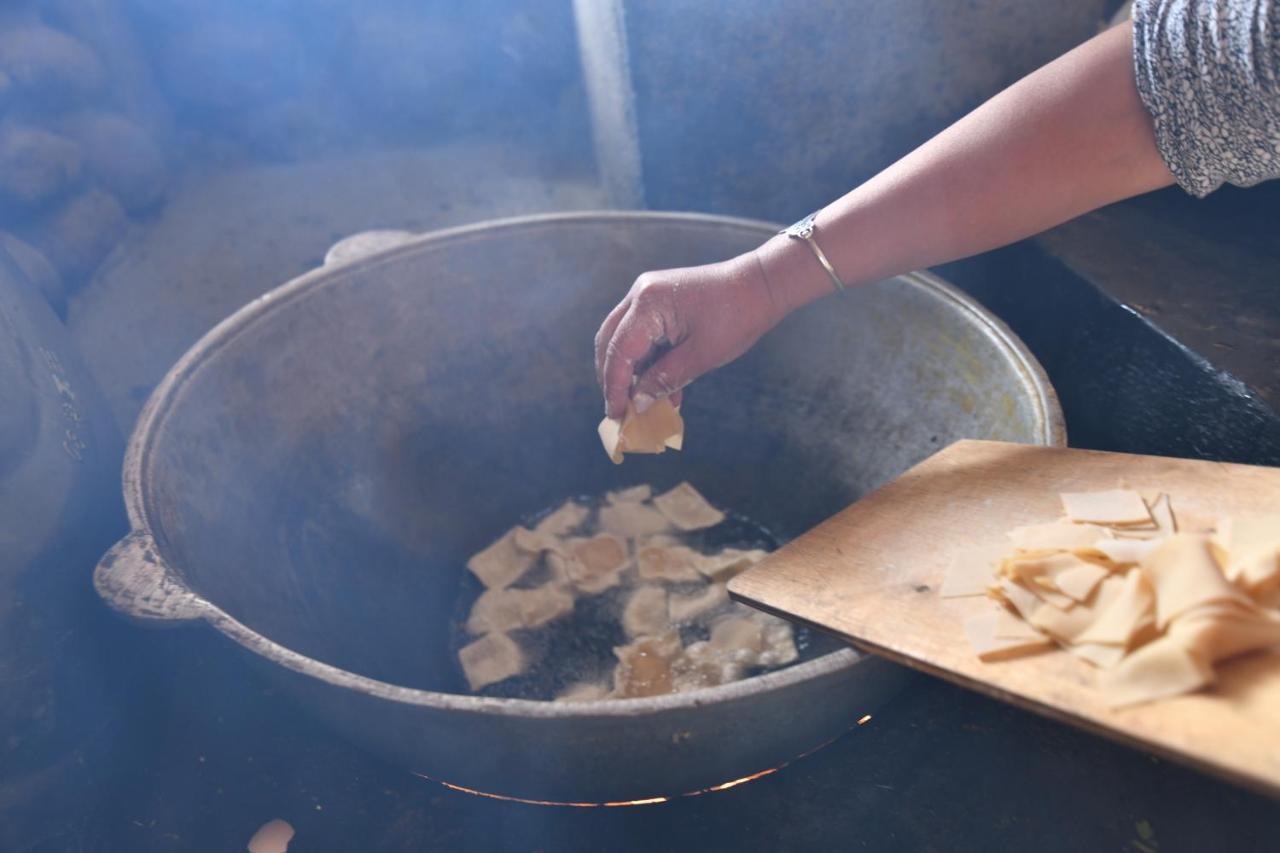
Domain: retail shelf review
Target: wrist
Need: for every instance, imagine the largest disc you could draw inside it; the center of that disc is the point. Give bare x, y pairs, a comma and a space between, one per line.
794, 275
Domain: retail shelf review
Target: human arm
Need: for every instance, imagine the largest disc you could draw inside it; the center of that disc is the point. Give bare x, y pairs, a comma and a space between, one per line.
1071, 137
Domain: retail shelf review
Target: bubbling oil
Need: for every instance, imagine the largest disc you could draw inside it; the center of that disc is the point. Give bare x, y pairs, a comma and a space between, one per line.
578, 648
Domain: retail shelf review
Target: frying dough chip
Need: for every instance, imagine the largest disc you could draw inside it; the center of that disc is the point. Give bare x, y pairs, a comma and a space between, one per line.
739, 638
729, 563
703, 665
644, 666
687, 509
563, 521
676, 563
1116, 507
779, 640
490, 659
501, 563
533, 541
658, 428
646, 612
543, 604
633, 494
686, 608
737, 643
631, 519
495, 610
592, 565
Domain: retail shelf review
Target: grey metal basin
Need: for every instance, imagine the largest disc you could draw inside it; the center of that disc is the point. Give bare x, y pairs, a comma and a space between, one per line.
309, 479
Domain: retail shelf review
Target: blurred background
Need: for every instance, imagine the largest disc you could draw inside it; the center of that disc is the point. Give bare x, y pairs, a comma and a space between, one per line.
164, 161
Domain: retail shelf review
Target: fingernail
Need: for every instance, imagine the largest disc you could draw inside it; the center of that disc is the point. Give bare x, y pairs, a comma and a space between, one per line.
642, 402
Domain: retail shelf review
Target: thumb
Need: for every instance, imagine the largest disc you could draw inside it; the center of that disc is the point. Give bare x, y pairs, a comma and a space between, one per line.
667, 376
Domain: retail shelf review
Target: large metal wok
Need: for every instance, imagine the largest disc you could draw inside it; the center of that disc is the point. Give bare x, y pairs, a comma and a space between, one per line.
310, 478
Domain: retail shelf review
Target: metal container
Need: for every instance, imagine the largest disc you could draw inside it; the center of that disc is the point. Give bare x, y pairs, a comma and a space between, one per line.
64, 689
310, 478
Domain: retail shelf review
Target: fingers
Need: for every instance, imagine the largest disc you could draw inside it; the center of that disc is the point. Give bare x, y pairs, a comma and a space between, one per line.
638, 334
605, 334
667, 377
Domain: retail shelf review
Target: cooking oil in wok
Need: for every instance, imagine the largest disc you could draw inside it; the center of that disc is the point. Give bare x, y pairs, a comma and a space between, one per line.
587, 654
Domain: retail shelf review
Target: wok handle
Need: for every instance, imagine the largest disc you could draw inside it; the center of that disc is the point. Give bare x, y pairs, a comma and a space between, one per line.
357, 246
136, 582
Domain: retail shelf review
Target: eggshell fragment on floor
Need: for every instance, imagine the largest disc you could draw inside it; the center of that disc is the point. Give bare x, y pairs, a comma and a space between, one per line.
272, 837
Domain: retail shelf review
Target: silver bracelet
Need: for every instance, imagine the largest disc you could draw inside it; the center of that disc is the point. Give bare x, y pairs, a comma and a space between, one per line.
803, 230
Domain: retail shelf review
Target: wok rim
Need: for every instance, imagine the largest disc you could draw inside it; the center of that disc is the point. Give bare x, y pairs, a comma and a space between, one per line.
1048, 414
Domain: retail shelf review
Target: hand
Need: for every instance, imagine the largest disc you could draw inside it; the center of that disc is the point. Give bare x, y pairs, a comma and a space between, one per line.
675, 325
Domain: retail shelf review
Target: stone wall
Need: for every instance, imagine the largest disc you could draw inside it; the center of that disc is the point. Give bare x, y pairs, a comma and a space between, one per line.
107, 106
79, 155
281, 81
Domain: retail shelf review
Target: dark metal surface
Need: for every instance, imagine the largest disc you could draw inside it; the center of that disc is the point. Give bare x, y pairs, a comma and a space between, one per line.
1205, 271
317, 469
63, 696
775, 109
937, 770
1124, 384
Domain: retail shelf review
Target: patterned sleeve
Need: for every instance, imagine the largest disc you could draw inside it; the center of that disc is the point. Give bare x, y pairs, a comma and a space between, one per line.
1208, 71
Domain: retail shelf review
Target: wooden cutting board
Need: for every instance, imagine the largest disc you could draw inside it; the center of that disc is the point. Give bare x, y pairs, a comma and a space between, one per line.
871, 576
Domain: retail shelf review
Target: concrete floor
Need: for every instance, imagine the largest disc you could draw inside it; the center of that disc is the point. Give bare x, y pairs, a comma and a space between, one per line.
938, 769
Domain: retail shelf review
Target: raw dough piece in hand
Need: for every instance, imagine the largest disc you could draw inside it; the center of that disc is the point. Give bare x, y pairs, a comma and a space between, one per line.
654, 431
